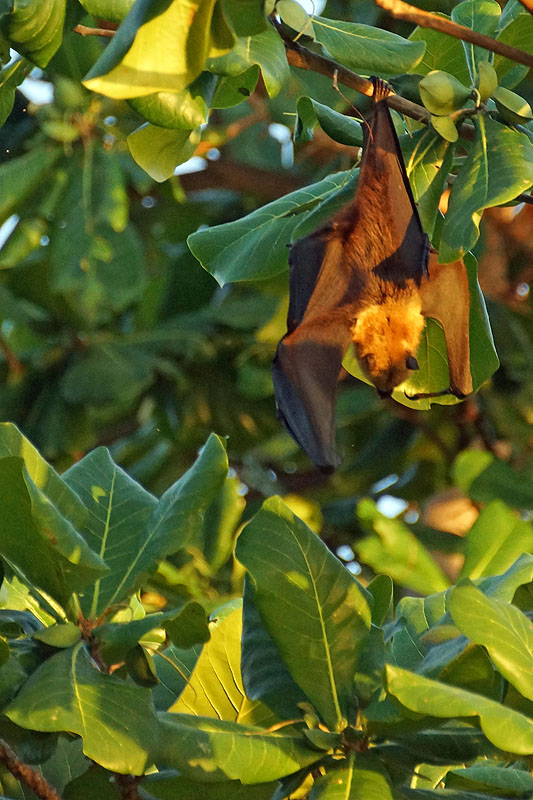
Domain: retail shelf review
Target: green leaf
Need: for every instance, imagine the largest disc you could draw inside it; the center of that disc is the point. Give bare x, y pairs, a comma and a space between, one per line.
139, 61
517, 33
222, 517
61, 635
23, 240
183, 110
255, 247
169, 784
443, 794
94, 784
211, 749
502, 629
442, 93
119, 509
441, 50
482, 16
451, 745
112, 206
339, 127
115, 719
23, 175
325, 611
497, 538
381, 588
140, 667
265, 676
233, 90
428, 159
175, 520
504, 586
221, 35
159, 150
487, 80
247, 17
35, 28
11, 76
97, 259
37, 540
488, 777
293, 15
507, 729
484, 478
115, 639
112, 10
359, 777
215, 686
499, 166
30, 746
445, 127
397, 552
512, 108
189, 626
109, 373
364, 48
264, 49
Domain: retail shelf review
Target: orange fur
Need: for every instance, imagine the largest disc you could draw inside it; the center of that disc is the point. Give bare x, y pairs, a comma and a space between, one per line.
385, 334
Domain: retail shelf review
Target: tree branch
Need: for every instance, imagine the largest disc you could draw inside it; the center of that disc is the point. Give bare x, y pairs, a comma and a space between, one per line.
23, 772
400, 10
301, 57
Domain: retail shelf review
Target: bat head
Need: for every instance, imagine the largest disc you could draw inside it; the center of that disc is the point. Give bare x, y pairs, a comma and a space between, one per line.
386, 337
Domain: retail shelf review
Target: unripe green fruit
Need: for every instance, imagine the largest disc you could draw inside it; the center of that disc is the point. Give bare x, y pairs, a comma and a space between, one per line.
441, 93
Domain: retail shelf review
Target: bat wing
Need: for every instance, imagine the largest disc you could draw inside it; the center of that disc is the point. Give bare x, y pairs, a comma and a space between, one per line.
305, 260
305, 373
309, 358
446, 298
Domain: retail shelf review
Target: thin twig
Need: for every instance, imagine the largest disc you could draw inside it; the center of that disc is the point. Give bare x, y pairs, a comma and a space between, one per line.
84, 30
400, 10
23, 772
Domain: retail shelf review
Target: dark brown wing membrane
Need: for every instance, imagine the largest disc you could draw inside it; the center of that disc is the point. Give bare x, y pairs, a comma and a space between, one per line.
309, 358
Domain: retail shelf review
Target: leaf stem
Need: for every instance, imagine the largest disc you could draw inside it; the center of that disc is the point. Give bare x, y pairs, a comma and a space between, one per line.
84, 30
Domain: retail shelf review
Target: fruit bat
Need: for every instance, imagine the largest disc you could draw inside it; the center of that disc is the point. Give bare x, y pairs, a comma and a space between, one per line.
367, 278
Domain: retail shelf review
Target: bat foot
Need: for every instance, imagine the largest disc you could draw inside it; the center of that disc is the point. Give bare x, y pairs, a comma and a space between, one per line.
382, 89
443, 393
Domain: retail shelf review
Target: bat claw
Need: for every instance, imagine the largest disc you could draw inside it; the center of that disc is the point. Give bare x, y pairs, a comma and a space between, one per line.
382, 89
443, 393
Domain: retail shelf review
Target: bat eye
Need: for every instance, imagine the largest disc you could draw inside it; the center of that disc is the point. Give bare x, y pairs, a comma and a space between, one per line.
411, 363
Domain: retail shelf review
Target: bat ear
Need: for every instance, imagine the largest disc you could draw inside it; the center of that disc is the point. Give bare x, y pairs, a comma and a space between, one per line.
411, 363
